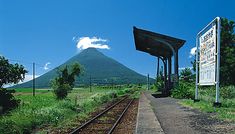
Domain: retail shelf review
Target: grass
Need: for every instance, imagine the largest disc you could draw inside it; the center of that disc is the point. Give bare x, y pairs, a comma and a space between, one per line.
186, 91
207, 98
45, 110
224, 113
30, 90
135, 94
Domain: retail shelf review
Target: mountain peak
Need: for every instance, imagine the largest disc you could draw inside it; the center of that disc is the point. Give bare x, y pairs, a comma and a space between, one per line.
90, 48
101, 68
91, 51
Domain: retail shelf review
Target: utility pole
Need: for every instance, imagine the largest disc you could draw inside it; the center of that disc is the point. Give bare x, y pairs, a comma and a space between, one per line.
90, 83
33, 79
148, 81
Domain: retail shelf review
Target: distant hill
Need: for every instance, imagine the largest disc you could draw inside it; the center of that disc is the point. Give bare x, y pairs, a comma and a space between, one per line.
101, 69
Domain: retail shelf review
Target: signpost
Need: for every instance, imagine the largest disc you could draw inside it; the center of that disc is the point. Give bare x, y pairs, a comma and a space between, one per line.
208, 48
207, 56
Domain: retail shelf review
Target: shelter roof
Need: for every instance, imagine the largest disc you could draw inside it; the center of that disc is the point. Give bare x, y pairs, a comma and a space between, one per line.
153, 43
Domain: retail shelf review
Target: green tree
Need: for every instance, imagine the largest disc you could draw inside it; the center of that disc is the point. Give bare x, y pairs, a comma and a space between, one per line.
65, 81
186, 74
159, 83
9, 74
227, 52
194, 64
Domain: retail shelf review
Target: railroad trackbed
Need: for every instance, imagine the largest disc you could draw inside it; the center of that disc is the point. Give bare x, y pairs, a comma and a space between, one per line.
106, 121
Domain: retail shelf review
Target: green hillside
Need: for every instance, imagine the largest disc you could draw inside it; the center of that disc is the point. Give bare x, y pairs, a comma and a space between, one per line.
101, 69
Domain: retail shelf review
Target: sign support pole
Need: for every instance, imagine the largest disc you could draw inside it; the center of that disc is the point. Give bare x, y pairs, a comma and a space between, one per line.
197, 62
217, 103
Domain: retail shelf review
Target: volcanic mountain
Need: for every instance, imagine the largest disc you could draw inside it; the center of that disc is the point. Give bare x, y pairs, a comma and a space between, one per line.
98, 68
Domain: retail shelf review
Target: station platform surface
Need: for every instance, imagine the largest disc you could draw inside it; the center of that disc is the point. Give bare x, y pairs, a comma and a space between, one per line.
147, 122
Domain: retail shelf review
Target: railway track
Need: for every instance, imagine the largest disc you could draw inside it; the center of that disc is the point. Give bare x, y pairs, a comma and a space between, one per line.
106, 121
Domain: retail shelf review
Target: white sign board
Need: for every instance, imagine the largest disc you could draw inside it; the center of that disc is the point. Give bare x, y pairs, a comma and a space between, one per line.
207, 43
208, 39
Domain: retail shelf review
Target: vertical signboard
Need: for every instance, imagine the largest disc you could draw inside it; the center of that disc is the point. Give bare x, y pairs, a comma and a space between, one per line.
207, 43
208, 57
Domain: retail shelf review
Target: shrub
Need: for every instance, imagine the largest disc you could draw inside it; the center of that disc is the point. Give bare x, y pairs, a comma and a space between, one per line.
105, 98
61, 91
120, 92
184, 90
159, 84
228, 92
7, 100
8, 126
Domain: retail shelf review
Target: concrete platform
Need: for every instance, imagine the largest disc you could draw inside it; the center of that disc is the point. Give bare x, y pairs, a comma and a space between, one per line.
147, 122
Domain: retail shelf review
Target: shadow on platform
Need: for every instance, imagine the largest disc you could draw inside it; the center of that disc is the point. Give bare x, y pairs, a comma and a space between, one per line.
160, 95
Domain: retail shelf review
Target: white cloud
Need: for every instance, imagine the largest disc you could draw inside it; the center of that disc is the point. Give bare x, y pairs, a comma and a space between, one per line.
86, 42
192, 52
73, 39
46, 66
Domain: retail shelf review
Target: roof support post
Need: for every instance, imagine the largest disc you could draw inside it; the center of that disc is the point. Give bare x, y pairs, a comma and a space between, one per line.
176, 68
175, 53
165, 75
158, 66
169, 73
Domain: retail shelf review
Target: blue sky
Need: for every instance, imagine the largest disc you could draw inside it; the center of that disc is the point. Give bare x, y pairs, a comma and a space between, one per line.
45, 31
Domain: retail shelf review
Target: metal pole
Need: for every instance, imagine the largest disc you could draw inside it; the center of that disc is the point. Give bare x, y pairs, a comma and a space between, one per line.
218, 61
177, 68
157, 67
196, 90
169, 73
90, 83
148, 81
165, 76
33, 79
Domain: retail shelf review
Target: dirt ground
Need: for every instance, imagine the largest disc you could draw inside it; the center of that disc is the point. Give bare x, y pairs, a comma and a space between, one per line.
176, 119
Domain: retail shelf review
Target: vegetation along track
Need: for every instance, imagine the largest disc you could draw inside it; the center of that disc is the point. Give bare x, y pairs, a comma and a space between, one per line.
107, 120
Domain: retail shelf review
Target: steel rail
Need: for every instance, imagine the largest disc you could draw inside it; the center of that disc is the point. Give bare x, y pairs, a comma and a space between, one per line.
97, 116
118, 120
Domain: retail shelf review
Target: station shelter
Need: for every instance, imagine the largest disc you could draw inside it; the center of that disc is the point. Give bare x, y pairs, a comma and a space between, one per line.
163, 47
